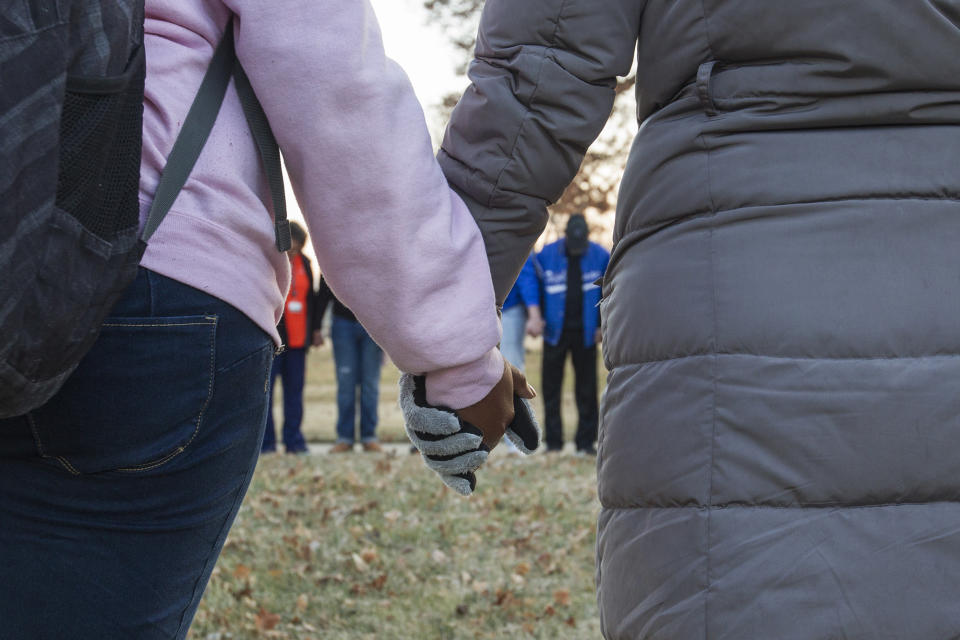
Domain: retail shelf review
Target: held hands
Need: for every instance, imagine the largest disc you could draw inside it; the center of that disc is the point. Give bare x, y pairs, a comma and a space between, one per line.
456, 443
495, 412
535, 322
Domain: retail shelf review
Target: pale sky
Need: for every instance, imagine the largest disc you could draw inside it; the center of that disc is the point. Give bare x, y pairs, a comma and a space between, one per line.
423, 52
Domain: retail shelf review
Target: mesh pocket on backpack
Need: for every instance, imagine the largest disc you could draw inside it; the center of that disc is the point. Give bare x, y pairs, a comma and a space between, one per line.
100, 139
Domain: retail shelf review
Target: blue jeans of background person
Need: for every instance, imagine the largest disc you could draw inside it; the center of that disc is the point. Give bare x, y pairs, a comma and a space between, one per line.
291, 366
358, 360
514, 321
116, 496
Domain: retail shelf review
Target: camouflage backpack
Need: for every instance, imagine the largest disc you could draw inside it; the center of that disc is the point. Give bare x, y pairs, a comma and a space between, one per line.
71, 111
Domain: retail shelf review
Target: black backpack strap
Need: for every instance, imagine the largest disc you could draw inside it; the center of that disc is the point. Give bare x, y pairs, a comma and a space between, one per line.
196, 129
269, 153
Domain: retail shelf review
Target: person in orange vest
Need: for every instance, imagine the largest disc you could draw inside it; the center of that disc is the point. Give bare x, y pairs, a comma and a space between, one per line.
299, 329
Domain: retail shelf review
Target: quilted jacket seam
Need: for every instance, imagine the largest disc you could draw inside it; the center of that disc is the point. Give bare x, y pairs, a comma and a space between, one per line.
832, 505
710, 354
660, 225
714, 384
716, 346
713, 434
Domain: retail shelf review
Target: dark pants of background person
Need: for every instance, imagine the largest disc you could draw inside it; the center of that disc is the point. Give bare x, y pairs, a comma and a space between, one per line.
358, 360
291, 366
585, 389
116, 496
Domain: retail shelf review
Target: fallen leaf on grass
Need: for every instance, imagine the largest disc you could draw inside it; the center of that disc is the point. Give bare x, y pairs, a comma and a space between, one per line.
583, 533
241, 572
362, 509
302, 602
358, 563
520, 544
246, 592
265, 620
562, 597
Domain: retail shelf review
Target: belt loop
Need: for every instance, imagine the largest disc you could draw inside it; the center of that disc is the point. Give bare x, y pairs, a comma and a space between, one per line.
704, 73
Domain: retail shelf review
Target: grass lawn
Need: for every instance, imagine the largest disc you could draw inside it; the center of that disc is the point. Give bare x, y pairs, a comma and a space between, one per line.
364, 546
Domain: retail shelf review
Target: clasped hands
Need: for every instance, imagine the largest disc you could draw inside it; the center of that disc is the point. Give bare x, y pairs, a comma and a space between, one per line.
455, 444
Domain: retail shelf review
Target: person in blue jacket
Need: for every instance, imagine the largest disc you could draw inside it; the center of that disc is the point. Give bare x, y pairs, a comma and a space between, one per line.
521, 311
568, 269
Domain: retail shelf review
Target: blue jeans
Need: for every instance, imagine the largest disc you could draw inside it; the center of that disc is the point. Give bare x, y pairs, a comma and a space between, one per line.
358, 360
116, 496
514, 322
291, 366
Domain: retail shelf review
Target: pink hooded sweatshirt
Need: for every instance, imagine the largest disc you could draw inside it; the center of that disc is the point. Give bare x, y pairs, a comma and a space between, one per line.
396, 245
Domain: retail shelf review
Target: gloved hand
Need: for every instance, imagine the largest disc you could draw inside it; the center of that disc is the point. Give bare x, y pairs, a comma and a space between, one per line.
453, 447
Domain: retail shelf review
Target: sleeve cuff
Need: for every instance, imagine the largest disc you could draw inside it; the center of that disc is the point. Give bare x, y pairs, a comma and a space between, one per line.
466, 384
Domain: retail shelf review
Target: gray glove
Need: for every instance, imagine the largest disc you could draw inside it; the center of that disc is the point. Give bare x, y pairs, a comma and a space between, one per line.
454, 448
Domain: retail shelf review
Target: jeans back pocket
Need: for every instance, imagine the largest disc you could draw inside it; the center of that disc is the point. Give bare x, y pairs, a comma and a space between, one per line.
136, 400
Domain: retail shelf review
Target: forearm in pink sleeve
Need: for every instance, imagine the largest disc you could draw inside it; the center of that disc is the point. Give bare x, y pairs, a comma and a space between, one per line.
396, 245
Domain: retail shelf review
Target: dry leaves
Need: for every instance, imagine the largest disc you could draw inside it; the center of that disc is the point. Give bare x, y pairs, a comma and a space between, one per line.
265, 620
341, 550
358, 563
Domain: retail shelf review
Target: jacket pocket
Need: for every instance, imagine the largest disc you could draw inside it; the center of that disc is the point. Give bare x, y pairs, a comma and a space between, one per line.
137, 399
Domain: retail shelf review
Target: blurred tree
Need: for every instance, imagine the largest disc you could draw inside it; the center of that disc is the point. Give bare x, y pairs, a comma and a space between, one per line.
594, 189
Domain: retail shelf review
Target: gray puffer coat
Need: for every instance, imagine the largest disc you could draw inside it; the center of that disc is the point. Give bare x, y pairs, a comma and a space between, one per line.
780, 440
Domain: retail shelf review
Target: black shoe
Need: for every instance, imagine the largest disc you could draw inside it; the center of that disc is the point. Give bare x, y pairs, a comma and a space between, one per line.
587, 451
554, 448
